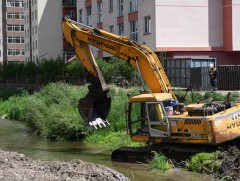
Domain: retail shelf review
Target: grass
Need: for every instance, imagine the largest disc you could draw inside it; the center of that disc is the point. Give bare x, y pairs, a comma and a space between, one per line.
204, 163
160, 162
111, 140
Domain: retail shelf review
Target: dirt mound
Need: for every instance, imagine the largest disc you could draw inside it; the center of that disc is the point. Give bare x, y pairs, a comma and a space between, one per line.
230, 167
14, 166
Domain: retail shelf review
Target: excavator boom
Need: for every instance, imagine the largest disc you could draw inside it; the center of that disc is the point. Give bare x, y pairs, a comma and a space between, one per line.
95, 106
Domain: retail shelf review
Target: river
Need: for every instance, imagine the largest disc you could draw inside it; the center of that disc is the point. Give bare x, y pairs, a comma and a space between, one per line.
14, 137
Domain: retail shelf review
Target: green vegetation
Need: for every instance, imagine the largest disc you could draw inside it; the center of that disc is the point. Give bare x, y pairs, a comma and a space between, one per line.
7, 92
111, 140
204, 162
55, 70
160, 162
196, 97
52, 113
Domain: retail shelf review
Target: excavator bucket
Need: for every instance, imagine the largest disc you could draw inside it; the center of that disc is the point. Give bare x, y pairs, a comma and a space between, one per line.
94, 109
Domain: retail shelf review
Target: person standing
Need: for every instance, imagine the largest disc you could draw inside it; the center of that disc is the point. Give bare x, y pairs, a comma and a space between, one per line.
213, 73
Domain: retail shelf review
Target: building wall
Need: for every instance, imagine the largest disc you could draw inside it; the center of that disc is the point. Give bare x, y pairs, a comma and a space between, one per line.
145, 8
236, 25
179, 28
189, 25
17, 49
45, 34
1, 35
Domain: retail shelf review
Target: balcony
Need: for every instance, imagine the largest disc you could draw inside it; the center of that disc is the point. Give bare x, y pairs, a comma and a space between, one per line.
69, 2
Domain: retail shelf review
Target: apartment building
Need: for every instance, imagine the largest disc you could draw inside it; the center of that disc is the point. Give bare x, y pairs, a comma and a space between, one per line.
69, 9
173, 29
1, 34
43, 29
12, 31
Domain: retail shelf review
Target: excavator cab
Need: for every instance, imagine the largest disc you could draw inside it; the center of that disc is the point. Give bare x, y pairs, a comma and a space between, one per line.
148, 119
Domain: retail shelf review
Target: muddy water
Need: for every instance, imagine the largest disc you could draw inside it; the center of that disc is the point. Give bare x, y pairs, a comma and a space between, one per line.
13, 137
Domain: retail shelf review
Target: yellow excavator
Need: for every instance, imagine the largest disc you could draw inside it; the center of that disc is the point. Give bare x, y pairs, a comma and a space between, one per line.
154, 117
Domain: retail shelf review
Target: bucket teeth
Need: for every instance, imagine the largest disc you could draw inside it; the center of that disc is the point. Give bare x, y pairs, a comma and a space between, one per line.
95, 109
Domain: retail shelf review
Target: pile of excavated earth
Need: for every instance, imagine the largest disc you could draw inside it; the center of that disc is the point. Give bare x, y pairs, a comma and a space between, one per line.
14, 166
230, 167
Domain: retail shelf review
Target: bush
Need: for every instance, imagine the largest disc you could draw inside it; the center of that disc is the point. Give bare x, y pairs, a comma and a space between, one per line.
214, 96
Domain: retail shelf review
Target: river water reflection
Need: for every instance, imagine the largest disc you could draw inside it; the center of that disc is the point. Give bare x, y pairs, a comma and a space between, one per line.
14, 137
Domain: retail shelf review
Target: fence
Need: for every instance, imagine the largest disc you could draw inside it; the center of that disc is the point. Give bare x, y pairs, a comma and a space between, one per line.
186, 72
229, 77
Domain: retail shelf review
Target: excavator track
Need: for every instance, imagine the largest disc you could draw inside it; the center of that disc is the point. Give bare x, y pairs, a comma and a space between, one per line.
176, 152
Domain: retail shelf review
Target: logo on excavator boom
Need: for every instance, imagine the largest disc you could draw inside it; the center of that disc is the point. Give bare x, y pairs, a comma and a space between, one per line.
102, 44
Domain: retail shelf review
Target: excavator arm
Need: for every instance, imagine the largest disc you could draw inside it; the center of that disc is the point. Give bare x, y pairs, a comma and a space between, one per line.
95, 107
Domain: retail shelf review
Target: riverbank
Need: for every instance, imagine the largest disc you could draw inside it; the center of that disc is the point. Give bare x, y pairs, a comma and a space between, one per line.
14, 166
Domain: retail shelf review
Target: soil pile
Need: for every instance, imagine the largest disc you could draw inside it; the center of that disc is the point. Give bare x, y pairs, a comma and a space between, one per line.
14, 166
230, 167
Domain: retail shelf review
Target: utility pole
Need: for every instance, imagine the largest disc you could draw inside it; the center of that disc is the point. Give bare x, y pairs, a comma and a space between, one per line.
30, 28
4, 31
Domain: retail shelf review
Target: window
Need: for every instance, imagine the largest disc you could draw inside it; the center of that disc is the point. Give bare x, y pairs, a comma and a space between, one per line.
36, 44
134, 30
120, 7
110, 6
15, 40
35, 29
80, 16
14, 3
14, 52
111, 30
133, 6
15, 27
89, 15
147, 24
35, 14
15, 16
99, 7
121, 29
71, 14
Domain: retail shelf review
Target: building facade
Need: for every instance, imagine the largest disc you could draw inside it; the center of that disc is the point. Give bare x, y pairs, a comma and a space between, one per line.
13, 30
173, 29
42, 29
69, 9
1, 34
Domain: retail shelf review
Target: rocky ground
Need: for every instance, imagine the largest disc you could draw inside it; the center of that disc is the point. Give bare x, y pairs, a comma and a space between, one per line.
16, 167
230, 167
